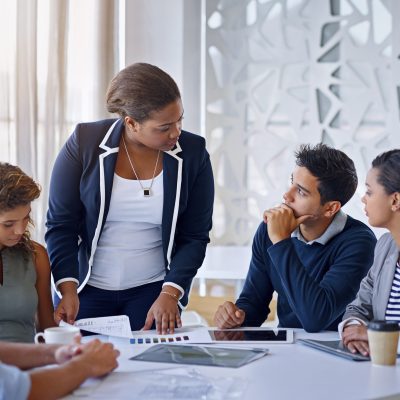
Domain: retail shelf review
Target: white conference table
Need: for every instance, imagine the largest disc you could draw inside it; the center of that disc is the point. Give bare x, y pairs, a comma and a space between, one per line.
290, 371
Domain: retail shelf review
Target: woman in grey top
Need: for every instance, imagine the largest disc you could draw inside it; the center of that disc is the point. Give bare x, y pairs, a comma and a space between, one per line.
379, 294
24, 264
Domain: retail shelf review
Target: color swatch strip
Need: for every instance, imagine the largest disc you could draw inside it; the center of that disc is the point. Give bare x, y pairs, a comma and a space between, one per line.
155, 340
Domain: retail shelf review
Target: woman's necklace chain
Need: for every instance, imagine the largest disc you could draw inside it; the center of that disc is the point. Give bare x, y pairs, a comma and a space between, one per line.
146, 190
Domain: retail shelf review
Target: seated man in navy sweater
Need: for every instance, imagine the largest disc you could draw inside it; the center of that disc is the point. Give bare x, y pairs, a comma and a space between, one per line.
307, 250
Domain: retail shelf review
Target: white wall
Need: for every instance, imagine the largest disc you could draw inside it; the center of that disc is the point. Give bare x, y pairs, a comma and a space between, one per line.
167, 34
269, 75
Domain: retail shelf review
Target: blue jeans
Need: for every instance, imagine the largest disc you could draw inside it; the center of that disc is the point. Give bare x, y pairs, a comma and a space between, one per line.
135, 303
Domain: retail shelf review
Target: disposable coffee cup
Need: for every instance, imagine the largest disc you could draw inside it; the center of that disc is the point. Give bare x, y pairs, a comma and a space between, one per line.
58, 334
383, 337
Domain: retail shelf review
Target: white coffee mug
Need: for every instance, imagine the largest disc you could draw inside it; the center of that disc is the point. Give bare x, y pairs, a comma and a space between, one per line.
58, 334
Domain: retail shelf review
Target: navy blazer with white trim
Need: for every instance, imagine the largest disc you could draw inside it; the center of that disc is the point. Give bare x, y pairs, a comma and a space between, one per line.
79, 200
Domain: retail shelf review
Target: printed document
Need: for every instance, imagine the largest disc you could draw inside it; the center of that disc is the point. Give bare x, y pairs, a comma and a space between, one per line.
118, 325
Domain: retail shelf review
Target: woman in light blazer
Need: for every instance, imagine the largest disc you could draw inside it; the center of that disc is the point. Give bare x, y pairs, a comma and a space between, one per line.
379, 294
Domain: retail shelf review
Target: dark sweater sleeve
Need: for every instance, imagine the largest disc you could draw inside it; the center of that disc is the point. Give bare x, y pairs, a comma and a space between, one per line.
318, 304
258, 289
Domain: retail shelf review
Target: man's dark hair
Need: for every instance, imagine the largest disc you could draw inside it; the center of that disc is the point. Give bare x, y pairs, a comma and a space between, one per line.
388, 166
335, 171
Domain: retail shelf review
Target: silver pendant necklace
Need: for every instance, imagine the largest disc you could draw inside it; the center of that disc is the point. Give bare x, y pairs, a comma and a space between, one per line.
146, 190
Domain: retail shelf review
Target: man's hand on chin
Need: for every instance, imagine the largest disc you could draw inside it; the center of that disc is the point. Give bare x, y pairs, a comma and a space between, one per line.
281, 222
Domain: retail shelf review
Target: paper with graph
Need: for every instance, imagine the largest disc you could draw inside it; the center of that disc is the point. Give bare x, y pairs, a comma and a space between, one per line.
117, 325
151, 337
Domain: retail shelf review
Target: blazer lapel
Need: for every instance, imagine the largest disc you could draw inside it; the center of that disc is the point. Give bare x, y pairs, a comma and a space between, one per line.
172, 180
107, 161
110, 143
109, 168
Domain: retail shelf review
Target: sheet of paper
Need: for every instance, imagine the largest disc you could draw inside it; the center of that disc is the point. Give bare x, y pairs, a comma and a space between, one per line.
117, 325
167, 384
180, 336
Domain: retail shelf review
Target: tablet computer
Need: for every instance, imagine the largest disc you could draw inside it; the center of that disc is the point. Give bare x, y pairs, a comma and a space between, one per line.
200, 355
335, 347
251, 335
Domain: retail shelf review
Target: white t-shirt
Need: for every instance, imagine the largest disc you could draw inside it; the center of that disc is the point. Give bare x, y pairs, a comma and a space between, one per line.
129, 252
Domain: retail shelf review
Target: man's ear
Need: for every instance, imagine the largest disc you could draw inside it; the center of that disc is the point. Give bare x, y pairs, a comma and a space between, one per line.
331, 208
396, 201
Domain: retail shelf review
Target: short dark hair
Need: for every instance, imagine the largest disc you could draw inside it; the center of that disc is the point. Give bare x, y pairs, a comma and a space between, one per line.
140, 89
388, 166
335, 171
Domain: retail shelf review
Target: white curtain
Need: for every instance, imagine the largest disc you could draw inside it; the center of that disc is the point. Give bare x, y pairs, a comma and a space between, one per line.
57, 60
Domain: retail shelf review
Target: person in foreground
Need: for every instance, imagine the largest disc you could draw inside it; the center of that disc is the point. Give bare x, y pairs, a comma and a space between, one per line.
77, 362
379, 294
25, 291
307, 249
130, 207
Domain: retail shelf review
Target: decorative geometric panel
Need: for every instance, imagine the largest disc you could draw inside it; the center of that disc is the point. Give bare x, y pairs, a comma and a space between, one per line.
279, 73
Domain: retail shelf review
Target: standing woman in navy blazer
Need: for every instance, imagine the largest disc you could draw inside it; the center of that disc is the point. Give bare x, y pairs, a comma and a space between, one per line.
130, 207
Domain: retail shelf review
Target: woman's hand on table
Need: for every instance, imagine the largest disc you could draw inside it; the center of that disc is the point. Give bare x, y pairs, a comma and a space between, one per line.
355, 338
165, 313
68, 307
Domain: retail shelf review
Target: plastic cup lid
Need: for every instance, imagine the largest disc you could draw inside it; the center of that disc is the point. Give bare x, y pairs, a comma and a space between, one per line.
385, 326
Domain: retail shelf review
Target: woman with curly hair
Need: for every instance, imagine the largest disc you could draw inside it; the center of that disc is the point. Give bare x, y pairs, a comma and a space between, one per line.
25, 296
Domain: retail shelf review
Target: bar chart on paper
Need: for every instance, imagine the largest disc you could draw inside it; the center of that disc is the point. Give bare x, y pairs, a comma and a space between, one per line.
149, 338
